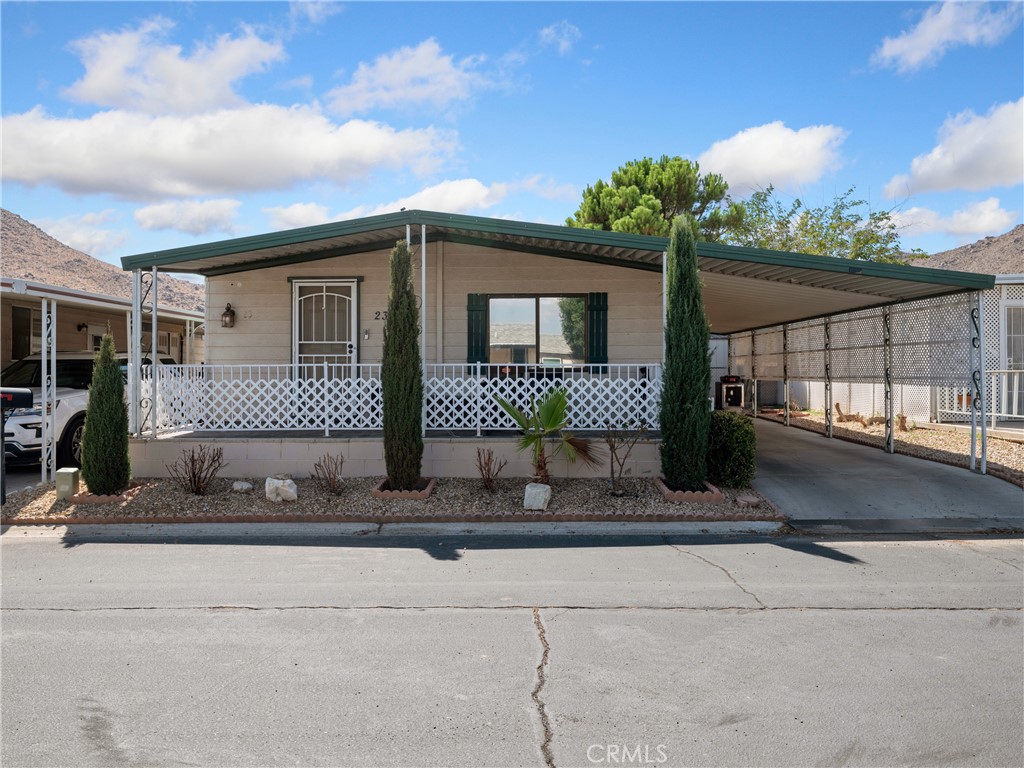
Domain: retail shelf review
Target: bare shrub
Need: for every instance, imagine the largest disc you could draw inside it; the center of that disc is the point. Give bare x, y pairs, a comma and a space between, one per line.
620, 439
489, 468
196, 468
327, 474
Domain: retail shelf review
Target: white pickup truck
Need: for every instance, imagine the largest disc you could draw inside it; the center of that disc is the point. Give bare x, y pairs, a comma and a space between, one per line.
23, 429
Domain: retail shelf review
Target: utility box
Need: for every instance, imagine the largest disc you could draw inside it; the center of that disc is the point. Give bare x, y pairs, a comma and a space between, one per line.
729, 392
67, 482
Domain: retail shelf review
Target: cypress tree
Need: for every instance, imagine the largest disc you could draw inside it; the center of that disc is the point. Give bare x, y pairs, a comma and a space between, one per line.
106, 467
401, 377
684, 416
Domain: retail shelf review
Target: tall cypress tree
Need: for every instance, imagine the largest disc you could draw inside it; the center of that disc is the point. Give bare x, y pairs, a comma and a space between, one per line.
684, 416
106, 467
401, 377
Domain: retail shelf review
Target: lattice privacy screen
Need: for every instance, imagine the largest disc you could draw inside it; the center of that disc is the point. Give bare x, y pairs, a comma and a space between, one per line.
929, 340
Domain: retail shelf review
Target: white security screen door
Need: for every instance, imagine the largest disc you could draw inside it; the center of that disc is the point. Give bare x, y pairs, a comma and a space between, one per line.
324, 320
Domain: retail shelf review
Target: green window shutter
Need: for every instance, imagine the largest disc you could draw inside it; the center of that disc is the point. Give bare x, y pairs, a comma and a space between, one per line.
476, 329
597, 328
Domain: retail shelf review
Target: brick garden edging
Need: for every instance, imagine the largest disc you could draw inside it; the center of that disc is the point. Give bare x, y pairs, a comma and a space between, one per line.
711, 496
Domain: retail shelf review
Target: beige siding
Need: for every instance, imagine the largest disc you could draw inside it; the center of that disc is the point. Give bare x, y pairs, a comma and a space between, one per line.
262, 301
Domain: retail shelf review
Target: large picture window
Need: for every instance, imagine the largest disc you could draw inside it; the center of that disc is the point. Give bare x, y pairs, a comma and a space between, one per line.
547, 331
544, 330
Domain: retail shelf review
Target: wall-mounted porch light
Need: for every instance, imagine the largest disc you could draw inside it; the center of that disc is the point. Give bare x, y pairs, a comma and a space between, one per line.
227, 318
81, 327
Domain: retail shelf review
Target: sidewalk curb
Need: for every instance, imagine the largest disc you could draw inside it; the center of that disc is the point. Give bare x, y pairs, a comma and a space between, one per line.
336, 530
926, 525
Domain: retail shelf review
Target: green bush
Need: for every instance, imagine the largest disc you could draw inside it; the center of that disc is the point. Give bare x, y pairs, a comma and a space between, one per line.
732, 448
402, 378
106, 467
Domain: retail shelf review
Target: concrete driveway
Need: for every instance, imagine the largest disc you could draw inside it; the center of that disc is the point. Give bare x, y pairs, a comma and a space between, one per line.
812, 478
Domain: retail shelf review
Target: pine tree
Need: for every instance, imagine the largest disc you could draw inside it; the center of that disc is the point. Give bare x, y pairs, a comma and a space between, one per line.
401, 377
106, 467
684, 416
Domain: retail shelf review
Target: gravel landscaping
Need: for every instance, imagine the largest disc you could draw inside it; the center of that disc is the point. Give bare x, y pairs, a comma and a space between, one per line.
453, 500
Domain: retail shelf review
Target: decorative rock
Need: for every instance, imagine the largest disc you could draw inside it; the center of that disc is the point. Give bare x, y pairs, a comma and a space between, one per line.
537, 496
746, 500
279, 489
240, 486
283, 476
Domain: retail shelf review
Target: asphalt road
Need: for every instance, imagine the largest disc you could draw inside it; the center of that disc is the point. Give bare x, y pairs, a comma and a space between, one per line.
244, 649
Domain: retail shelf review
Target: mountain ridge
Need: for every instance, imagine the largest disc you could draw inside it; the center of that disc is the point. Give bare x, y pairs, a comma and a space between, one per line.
29, 253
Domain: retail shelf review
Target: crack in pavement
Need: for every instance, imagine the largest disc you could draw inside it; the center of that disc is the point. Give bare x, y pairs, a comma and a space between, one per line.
723, 569
545, 747
679, 608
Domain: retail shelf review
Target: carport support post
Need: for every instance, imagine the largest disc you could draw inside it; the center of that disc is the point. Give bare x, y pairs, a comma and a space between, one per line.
977, 357
785, 371
135, 356
890, 441
753, 371
828, 377
48, 376
154, 363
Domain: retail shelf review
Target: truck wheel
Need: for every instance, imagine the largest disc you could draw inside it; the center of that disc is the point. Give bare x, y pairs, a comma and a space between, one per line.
69, 452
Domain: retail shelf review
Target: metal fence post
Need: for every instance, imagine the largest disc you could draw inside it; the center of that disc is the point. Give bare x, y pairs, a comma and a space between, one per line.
828, 377
890, 438
479, 400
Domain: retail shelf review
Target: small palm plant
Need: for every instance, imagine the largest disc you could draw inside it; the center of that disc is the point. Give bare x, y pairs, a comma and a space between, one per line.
544, 425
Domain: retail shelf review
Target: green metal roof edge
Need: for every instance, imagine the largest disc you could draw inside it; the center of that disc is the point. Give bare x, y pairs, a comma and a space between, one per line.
967, 280
168, 258
368, 224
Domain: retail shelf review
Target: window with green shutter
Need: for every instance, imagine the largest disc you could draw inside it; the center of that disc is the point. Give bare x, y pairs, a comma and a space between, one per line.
550, 330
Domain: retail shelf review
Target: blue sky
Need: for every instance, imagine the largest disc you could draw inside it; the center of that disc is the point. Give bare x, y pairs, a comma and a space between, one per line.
131, 127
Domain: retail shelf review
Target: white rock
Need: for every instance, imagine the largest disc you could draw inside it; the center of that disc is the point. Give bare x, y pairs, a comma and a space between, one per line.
537, 496
240, 486
281, 490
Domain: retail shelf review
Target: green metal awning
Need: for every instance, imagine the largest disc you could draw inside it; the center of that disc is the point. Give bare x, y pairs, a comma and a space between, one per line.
744, 288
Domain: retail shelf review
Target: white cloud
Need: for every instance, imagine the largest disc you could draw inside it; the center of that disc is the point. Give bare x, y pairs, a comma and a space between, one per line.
258, 147
547, 188
297, 215
561, 34
973, 153
986, 217
86, 232
313, 11
773, 154
943, 27
135, 69
454, 196
194, 217
409, 77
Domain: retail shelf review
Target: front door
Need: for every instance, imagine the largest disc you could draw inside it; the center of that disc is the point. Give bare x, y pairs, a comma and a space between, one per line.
324, 322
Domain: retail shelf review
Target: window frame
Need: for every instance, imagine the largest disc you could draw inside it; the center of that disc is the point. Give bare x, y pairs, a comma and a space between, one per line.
536, 321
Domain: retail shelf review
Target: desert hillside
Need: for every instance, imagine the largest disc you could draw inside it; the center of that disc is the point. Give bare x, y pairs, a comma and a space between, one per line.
1000, 255
28, 253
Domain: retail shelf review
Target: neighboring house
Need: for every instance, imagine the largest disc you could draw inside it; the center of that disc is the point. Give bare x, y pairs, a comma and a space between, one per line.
294, 326
81, 319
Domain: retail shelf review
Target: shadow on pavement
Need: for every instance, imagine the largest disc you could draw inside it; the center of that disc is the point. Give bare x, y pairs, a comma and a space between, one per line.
450, 547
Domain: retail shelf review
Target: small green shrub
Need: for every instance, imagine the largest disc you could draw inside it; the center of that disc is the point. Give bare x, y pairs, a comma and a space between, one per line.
106, 467
732, 448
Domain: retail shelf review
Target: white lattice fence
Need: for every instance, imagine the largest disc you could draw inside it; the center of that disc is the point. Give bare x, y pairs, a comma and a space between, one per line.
270, 397
463, 397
